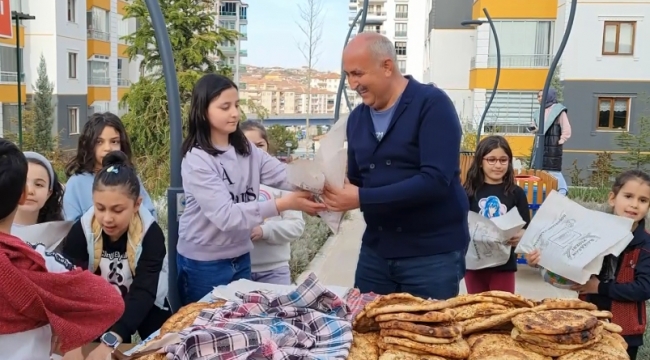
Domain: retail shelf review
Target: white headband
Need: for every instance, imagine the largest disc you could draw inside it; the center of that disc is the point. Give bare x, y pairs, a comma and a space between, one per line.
44, 161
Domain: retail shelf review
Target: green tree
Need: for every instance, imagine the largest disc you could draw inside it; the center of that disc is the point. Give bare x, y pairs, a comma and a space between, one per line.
250, 106
278, 138
636, 145
43, 110
557, 85
195, 42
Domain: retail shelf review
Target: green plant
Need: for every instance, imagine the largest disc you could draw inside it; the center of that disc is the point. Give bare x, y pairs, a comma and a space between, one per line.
636, 145
556, 84
43, 110
575, 174
304, 249
603, 170
279, 136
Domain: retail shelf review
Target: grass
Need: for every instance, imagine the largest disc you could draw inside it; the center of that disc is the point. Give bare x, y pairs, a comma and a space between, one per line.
303, 250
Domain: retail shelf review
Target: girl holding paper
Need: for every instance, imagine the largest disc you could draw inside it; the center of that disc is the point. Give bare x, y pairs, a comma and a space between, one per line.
623, 285
222, 172
44, 193
272, 239
492, 192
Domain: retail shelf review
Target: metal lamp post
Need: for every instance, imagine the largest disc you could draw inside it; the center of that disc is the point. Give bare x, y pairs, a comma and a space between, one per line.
538, 148
475, 23
175, 195
288, 144
17, 17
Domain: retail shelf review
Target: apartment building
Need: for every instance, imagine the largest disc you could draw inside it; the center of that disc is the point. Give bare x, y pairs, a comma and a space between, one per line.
330, 82
232, 14
287, 97
605, 75
85, 57
403, 23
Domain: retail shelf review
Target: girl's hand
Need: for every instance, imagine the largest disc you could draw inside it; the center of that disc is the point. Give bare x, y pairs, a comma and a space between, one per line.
101, 352
591, 287
257, 233
532, 258
75, 354
515, 239
300, 201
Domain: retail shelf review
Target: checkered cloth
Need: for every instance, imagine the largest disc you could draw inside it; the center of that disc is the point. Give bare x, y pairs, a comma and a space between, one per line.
356, 301
308, 323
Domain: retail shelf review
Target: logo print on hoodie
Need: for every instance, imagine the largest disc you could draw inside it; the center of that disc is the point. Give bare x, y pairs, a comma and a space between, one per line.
246, 196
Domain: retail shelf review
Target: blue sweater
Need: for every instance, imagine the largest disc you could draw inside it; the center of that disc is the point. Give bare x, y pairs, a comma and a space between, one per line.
409, 182
78, 196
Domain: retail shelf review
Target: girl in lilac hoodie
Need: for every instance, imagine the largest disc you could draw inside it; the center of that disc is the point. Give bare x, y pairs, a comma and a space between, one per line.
222, 172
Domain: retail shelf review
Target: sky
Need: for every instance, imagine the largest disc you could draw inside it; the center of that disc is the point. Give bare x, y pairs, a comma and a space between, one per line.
273, 34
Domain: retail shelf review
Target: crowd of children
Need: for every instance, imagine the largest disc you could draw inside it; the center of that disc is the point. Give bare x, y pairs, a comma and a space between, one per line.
108, 278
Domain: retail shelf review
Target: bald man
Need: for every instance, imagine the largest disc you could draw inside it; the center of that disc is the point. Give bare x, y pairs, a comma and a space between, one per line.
403, 173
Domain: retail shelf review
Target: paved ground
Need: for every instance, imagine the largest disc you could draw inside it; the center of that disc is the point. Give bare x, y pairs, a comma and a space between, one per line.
337, 261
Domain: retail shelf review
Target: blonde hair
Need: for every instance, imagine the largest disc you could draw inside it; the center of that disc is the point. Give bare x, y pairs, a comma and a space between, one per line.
134, 237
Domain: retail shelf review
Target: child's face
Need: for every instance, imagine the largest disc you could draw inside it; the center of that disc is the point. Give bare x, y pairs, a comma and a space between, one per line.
256, 138
108, 140
495, 165
37, 189
114, 209
223, 112
632, 200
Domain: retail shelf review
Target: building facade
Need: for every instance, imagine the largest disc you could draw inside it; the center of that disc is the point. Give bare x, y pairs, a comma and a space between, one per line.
232, 15
80, 41
402, 22
605, 75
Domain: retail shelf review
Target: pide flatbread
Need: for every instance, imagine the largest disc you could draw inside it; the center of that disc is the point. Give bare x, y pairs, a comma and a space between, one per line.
602, 314
576, 338
439, 330
456, 350
471, 311
518, 300
565, 304
363, 323
445, 315
532, 339
489, 322
611, 327
614, 339
403, 355
186, 315
364, 346
490, 345
589, 354
409, 306
553, 322
471, 299
417, 337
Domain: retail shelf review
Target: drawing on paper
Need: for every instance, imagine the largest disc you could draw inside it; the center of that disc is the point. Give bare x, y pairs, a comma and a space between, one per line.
561, 233
485, 240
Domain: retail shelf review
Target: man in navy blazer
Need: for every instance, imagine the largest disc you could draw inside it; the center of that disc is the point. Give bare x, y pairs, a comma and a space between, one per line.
404, 175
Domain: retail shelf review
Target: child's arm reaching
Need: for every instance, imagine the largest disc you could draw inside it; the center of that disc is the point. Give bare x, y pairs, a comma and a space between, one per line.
637, 290
284, 231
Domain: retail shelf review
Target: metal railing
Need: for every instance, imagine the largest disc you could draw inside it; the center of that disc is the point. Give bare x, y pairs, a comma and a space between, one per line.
123, 82
243, 52
377, 13
99, 81
10, 76
521, 61
400, 33
401, 15
98, 35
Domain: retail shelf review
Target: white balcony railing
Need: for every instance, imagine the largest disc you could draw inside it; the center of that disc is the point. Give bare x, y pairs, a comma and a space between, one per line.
98, 35
400, 33
521, 61
10, 77
99, 81
123, 82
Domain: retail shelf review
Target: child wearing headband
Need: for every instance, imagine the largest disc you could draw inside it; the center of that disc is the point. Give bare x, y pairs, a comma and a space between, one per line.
44, 193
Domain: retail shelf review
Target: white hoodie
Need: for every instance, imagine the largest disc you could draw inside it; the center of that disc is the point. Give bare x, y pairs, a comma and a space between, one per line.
274, 250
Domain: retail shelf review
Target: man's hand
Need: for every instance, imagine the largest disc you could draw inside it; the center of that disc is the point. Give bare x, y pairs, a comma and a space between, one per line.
340, 200
257, 233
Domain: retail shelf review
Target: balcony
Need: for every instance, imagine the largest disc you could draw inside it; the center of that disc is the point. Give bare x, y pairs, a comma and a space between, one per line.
123, 82
376, 17
228, 49
400, 34
243, 52
10, 77
99, 81
521, 61
401, 15
98, 35
243, 35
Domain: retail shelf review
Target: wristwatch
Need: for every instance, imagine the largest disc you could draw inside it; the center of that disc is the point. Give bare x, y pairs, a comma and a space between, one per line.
110, 339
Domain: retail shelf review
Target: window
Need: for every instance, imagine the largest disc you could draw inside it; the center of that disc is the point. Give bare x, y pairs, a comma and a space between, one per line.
72, 65
524, 44
511, 111
10, 118
98, 73
618, 37
72, 15
73, 120
243, 29
402, 11
228, 9
9, 64
400, 29
401, 65
613, 113
242, 13
400, 48
98, 21
122, 29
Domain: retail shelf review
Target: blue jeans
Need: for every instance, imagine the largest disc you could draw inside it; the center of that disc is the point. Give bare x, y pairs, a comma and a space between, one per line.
562, 187
198, 278
435, 276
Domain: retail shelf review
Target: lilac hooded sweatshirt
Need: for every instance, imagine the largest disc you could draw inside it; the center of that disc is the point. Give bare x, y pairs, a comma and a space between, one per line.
221, 206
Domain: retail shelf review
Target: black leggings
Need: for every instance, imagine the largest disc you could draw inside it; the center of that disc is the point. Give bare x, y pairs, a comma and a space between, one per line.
632, 351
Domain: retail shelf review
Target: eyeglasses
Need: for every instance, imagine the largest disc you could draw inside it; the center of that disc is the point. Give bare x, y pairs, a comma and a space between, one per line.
493, 160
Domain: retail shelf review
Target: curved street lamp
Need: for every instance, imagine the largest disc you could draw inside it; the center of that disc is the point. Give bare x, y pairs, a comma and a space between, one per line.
476, 23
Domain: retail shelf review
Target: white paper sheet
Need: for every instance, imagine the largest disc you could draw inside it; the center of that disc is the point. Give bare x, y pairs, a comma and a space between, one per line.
228, 292
488, 239
49, 234
574, 240
328, 166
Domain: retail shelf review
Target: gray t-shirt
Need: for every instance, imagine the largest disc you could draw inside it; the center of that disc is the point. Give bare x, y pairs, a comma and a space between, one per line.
381, 119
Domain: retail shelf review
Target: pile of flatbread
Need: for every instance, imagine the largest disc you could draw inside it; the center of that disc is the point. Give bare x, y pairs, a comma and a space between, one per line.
494, 325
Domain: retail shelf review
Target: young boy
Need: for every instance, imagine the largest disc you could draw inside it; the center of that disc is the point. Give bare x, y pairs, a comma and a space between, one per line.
46, 304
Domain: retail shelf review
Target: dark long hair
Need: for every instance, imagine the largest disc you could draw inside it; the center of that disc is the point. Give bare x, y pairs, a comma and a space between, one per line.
117, 170
475, 178
249, 125
628, 175
84, 161
209, 87
52, 210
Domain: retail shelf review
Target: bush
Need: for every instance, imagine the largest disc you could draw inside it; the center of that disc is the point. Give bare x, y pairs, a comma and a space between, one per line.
304, 249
